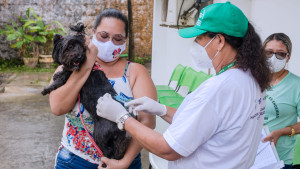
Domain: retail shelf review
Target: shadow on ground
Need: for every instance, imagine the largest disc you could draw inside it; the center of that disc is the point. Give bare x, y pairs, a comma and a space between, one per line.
29, 133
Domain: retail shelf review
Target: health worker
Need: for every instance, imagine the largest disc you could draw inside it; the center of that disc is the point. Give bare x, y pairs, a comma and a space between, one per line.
219, 124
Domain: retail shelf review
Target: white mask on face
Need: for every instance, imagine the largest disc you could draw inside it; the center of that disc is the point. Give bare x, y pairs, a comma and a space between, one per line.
275, 64
108, 51
200, 56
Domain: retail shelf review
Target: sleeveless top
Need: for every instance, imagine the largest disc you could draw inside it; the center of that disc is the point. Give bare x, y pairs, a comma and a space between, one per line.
74, 136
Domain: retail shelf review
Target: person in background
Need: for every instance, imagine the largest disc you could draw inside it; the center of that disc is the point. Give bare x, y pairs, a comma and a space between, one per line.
282, 98
219, 124
128, 79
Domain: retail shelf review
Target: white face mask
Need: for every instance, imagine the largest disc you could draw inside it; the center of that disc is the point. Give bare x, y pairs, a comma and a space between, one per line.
200, 56
108, 51
275, 64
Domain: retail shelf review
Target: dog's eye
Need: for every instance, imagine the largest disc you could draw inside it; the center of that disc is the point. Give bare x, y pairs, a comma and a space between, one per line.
70, 47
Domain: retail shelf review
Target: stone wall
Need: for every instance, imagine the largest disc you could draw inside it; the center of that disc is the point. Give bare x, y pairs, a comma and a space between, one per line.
71, 11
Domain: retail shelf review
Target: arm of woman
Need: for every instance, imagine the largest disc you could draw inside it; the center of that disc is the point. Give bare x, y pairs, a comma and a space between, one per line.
141, 85
274, 135
296, 128
63, 98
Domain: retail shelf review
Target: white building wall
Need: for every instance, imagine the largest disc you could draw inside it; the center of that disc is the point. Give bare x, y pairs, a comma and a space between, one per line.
244, 5
168, 49
268, 16
273, 16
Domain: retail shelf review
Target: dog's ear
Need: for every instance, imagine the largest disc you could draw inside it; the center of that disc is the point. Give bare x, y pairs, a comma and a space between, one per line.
57, 38
79, 28
57, 48
55, 55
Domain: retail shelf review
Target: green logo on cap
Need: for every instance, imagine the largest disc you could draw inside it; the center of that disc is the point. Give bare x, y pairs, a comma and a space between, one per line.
201, 16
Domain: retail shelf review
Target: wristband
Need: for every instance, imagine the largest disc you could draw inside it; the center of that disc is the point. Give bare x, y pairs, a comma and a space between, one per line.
292, 131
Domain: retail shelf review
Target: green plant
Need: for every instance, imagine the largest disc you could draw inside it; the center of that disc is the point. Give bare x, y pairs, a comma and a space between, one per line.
142, 60
30, 33
11, 63
16, 65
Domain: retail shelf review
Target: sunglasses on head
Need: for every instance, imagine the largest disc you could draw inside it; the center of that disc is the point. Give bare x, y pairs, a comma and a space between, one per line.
278, 55
117, 39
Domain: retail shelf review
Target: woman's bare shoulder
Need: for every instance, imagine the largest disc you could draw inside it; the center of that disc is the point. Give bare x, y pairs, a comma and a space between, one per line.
137, 68
138, 75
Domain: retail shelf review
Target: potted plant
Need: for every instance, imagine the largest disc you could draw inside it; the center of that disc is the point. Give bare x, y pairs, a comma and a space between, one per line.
29, 34
48, 31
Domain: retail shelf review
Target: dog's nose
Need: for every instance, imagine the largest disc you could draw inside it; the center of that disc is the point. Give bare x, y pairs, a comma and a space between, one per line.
79, 56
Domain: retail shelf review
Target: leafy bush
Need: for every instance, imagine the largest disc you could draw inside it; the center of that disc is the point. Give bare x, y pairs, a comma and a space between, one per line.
11, 63
30, 33
142, 60
16, 65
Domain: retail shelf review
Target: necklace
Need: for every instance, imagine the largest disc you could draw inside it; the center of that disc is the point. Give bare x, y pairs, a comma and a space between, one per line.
230, 65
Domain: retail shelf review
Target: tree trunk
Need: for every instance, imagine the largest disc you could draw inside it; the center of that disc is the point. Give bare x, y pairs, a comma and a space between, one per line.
130, 32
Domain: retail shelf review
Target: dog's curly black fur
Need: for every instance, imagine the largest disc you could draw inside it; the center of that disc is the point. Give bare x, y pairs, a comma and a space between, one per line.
70, 51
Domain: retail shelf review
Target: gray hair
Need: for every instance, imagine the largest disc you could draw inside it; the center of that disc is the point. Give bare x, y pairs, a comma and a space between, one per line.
280, 37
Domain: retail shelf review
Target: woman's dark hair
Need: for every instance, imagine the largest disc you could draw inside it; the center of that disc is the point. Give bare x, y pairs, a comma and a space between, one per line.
250, 55
280, 37
112, 13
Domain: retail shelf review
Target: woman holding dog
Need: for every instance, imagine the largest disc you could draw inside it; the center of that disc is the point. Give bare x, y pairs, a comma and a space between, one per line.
219, 124
128, 79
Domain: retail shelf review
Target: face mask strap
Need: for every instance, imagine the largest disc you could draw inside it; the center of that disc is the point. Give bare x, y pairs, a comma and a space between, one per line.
209, 41
208, 44
215, 56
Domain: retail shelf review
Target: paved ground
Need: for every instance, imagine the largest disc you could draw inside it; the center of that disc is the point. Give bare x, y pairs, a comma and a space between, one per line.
29, 132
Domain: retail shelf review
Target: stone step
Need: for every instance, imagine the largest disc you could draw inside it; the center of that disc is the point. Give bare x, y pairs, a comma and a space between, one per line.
22, 89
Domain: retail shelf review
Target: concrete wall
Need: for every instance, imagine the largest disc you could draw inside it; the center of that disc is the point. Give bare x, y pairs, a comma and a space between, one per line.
71, 11
268, 16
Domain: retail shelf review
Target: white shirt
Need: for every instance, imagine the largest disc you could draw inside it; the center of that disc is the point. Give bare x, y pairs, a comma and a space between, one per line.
219, 125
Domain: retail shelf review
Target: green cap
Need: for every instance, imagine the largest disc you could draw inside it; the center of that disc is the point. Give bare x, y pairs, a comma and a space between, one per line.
219, 18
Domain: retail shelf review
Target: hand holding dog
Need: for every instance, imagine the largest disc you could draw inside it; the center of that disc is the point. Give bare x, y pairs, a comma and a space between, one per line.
110, 109
112, 164
147, 105
87, 40
91, 54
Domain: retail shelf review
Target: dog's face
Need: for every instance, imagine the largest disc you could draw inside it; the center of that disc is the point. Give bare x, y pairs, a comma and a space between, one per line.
69, 51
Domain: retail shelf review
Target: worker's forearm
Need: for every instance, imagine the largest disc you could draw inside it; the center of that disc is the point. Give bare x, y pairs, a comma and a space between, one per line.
170, 113
134, 147
297, 128
150, 139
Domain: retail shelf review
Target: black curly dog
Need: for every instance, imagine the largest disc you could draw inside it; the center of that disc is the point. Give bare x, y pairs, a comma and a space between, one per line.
70, 51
